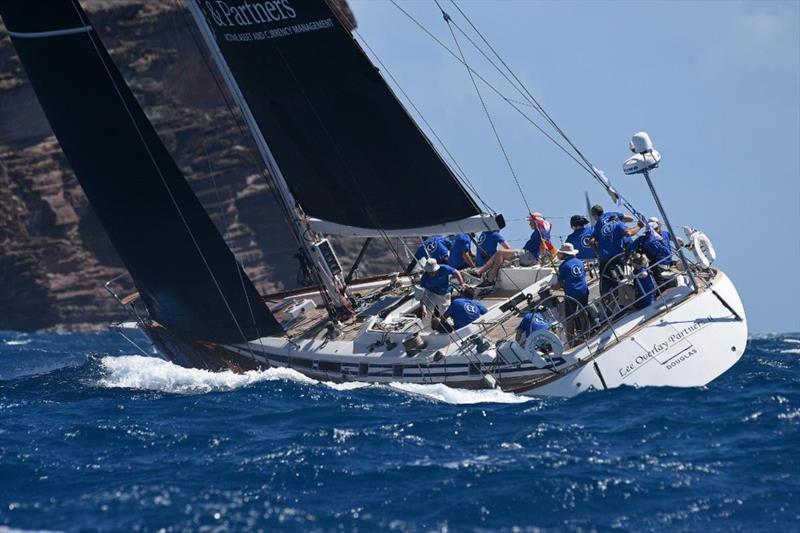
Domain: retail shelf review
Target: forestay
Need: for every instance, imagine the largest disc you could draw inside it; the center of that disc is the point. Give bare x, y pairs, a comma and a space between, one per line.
184, 271
353, 159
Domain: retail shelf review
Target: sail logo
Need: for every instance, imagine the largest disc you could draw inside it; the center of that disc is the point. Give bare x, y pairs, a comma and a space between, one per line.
225, 14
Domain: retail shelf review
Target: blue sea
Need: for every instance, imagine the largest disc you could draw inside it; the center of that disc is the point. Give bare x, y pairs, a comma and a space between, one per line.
96, 438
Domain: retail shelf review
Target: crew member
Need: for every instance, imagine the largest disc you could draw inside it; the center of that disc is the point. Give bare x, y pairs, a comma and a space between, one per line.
659, 254
532, 321
664, 232
600, 217
580, 237
434, 247
461, 252
643, 281
487, 244
572, 278
529, 254
463, 311
609, 239
436, 282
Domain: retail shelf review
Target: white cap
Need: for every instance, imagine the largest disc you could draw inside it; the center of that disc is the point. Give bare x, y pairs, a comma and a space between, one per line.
431, 266
567, 249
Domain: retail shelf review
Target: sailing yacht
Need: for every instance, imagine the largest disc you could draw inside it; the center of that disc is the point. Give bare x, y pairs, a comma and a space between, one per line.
345, 159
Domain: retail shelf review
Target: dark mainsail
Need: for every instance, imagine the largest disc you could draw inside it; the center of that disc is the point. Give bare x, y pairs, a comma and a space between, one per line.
184, 271
350, 153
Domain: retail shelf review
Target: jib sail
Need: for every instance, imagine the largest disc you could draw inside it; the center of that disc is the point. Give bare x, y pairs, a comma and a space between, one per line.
184, 271
352, 157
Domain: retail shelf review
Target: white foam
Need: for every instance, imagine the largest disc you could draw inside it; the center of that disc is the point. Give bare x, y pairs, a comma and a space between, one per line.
22, 342
791, 350
792, 341
443, 393
150, 373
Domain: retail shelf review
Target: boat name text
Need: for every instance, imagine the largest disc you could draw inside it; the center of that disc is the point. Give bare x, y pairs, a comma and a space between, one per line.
663, 347
248, 13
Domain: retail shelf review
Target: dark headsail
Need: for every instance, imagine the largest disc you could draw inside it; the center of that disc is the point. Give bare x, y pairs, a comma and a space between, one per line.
350, 153
185, 273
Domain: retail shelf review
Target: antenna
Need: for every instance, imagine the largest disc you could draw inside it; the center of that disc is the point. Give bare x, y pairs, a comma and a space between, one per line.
647, 158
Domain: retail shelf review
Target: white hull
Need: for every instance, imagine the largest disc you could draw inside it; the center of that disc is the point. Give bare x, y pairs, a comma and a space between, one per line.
682, 340
689, 346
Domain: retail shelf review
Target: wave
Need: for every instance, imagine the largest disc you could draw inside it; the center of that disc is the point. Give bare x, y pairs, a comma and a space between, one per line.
443, 393
150, 373
791, 350
18, 342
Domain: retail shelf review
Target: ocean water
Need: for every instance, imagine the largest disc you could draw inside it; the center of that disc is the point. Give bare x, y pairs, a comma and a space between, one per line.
95, 438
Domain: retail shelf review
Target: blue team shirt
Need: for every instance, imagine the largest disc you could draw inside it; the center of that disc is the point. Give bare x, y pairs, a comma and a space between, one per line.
461, 244
533, 321
645, 287
464, 311
534, 244
611, 240
655, 247
580, 240
667, 236
488, 241
436, 247
572, 275
439, 281
605, 217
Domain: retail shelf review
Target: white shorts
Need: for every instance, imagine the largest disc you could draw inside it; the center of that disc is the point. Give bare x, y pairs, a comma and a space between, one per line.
431, 300
525, 257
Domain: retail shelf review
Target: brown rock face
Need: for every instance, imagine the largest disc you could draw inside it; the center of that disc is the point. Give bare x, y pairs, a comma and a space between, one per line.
54, 254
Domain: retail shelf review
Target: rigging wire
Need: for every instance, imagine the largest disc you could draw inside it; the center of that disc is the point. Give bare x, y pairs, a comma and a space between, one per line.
589, 166
485, 109
511, 102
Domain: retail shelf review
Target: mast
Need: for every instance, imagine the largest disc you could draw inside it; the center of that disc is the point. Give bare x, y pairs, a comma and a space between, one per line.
330, 284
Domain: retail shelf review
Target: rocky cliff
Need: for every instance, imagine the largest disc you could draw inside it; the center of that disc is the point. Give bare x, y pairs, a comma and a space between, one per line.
54, 255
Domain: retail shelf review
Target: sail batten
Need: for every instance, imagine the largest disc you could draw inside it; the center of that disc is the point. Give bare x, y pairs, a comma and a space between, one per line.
347, 149
186, 275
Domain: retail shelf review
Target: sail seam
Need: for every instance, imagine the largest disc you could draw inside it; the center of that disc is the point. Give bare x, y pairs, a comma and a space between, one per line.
52, 33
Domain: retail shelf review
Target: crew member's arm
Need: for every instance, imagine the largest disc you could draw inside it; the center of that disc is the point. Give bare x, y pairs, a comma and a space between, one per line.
460, 279
506, 245
467, 257
633, 230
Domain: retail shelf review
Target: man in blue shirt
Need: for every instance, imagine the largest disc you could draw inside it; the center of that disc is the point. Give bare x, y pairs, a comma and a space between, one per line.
609, 239
436, 282
461, 252
463, 311
659, 254
656, 225
580, 237
528, 255
643, 282
435, 247
572, 278
532, 321
488, 241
